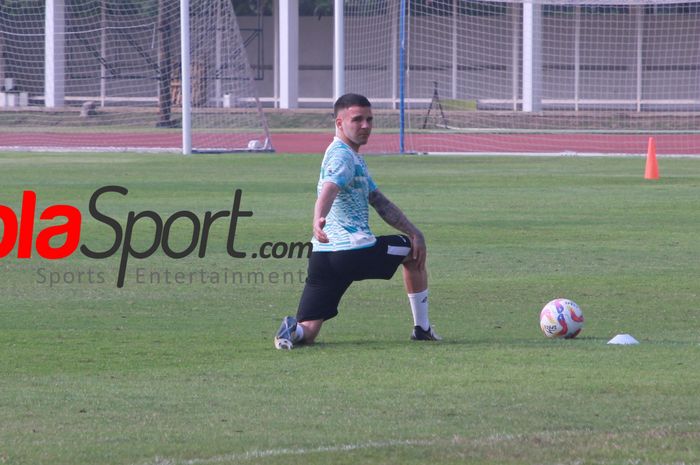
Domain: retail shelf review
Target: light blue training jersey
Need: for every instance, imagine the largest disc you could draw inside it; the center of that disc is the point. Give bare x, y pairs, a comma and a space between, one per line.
347, 223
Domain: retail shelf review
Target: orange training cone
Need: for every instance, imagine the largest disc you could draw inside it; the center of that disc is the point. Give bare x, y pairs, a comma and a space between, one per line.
652, 168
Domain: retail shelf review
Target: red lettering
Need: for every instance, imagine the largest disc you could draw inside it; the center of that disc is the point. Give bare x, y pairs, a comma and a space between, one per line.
9, 230
26, 225
71, 228
21, 231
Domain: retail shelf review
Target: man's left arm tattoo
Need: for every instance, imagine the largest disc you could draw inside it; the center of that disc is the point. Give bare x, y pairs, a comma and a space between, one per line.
391, 214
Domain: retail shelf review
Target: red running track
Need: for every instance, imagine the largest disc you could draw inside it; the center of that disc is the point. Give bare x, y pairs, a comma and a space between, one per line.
666, 144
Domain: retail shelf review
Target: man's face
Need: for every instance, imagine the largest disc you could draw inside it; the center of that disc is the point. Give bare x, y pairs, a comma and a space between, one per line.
354, 125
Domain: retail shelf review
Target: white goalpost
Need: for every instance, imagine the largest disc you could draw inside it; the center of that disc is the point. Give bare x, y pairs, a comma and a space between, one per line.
120, 75
185, 77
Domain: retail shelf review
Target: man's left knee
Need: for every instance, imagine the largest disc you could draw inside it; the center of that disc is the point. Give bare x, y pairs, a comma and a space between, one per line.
409, 262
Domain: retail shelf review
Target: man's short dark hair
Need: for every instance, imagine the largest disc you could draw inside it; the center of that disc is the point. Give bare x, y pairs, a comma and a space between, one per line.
350, 100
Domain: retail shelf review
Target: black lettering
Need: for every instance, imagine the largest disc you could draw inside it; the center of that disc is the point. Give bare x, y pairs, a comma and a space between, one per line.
127, 249
302, 249
109, 221
279, 250
208, 220
166, 234
235, 214
263, 249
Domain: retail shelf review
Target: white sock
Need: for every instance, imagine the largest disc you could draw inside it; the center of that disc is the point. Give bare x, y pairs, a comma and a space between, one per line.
419, 308
298, 334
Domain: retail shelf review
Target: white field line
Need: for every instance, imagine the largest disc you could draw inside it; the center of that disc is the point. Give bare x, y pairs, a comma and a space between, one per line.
58, 149
256, 454
553, 154
492, 440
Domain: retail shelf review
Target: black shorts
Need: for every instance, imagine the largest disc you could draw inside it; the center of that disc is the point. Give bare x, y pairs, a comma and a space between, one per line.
331, 273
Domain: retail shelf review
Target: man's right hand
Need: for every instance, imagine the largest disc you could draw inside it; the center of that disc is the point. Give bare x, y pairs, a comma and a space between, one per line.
325, 199
319, 224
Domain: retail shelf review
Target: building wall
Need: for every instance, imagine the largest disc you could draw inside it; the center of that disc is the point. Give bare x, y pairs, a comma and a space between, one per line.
486, 69
607, 63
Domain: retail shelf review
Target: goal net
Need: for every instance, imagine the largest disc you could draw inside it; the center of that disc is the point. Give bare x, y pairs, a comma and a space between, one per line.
105, 75
547, 76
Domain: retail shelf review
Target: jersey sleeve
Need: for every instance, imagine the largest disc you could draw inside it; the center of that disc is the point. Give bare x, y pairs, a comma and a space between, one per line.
371, 186
339, 168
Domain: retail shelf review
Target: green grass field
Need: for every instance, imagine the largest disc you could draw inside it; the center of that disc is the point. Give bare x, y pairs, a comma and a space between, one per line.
185, 372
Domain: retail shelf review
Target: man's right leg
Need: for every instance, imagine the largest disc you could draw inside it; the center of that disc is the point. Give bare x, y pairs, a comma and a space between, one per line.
318, 303
292, 332
310, 329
